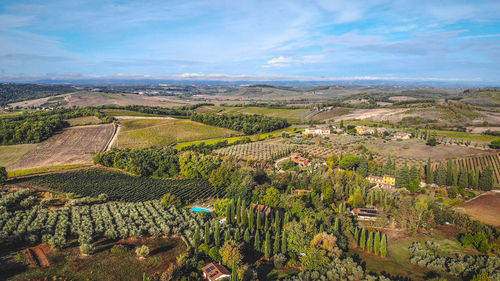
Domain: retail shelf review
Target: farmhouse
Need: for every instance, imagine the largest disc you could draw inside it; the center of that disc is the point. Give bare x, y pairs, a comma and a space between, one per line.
363, 130
365, 214
385, 182
263, 209
299, 192
297, 158
214, 271
322, 131
402, 136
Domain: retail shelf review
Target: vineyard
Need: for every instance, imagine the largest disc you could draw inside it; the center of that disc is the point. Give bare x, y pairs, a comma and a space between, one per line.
31, 223
478, 163
256, 150
120, 186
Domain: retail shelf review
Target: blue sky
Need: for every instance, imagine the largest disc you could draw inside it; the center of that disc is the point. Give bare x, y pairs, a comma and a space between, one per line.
420, 40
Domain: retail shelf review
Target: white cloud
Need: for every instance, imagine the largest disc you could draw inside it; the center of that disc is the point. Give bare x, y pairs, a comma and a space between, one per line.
280, 61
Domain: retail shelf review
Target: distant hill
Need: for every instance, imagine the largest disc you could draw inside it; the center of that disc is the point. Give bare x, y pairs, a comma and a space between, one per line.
11, 92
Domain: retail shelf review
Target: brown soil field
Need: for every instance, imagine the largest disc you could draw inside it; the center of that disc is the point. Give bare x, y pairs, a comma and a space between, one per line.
480, 130
379, 114
332, 114
76, 145
484, 208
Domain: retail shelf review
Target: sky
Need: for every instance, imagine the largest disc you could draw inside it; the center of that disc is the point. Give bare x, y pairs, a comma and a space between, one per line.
271, 39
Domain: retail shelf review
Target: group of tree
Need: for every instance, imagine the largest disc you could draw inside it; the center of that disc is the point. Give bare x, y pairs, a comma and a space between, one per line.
373, 242
12, 92
246, 123
450, 174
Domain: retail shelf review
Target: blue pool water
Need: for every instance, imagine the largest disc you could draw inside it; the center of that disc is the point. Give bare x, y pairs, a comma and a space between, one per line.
199, 209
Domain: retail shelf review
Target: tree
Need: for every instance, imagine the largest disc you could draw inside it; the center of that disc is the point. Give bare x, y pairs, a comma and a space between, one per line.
234, 273
495, 144
267, 246
376, 244
356, 200
463, 179
259, 219
440, 176
3, 175
429, 176
402, 177
217, 234
333, 161
363, 166
327, 242
196, 238
486, 180
246, 237
207, 233
283, 243
227, 235
383, 246
483, 276
449, 173
277, 240
142, 251
220, 177
349, 162
256, 243
336, 225
315, 258
369, 242
362, 239
230, 253
431, 141
86, 249
214, 253
272, 197
251, 219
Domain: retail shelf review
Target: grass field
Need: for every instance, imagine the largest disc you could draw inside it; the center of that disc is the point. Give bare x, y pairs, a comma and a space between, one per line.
230, 140
121, 264
26, 172
465, 136
148, 132
289, 114
85, 120
9, 154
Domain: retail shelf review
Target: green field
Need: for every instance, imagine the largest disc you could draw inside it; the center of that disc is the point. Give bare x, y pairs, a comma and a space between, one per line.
19, 173
119, 112
465, 136
289, 114
149, 132
230, 140
9, 154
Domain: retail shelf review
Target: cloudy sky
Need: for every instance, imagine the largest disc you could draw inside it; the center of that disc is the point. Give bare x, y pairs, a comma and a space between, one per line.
423, 39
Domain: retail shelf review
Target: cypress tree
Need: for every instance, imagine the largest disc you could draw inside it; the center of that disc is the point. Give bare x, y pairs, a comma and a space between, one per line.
259, 219
244, 216
237, 234
267, 246
428, 172
234, 272
475, 181
196, 241
463, 179
486, 180
336, 226
228, 213
251, 219
266, 224
369, 242
362, 166
277, 222
256, 243
238, 214
321, 228
449, 173
356, 235
376, 244
441, 175
362, 239
207, 233
247, 236
383, 246
277, 240
284, 245
414, 173
286, 218
217, 235
402, 176
227, 235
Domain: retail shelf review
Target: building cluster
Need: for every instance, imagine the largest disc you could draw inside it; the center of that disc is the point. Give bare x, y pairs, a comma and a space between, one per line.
215, 271
297, 158
365, 214
386, 182
321, 131
364, 131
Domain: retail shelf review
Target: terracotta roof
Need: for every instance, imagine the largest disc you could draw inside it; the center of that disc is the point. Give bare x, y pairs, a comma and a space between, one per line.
213, 271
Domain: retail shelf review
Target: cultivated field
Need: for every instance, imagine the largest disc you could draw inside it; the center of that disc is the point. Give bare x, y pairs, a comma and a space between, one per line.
485, 208
75, 145
289, 114
9, 154
142, 132
86, 120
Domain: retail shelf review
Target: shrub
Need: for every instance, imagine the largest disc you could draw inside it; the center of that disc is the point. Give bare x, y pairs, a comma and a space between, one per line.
87, 249
142, 251
279, 260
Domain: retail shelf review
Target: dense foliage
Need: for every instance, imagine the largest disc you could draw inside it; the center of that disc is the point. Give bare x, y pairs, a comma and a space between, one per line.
12, 92
120, 186
35, 127
249, 124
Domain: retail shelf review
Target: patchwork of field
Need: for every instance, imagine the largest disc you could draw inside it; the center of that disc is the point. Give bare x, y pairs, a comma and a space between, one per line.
143, 132
75, 145
485, 208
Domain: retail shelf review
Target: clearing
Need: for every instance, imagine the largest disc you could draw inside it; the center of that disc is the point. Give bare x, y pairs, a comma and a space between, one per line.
9, 154
484, 208
113, 260
76, 145
148, 132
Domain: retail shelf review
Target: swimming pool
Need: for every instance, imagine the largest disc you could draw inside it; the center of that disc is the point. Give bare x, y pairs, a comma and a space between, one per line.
200, 209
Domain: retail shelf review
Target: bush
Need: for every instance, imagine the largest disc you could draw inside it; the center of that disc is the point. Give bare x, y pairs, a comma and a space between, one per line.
142, 251
87, 249
431, 141
279, 260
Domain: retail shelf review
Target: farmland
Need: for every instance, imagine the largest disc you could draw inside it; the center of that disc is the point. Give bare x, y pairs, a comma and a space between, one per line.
256, 151
86, 120
75, 145
9, 154
121, 186
292, 115
148, 132
484, 208
478, 163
